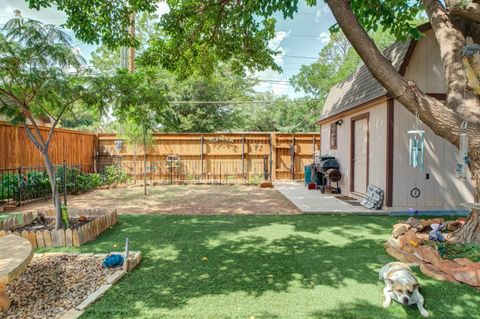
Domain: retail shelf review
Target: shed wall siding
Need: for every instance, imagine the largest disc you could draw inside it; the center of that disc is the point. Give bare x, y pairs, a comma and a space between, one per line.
425, 66
377, 146
442, 190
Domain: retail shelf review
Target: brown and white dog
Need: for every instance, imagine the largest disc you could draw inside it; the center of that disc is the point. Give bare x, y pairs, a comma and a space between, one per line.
401, 286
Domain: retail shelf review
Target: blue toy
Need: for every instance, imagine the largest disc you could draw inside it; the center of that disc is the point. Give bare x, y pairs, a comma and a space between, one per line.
112, 261
436, 233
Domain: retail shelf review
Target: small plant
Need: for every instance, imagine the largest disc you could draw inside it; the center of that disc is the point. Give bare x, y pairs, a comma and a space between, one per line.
65, 218
462, 250
255, 179
115, 175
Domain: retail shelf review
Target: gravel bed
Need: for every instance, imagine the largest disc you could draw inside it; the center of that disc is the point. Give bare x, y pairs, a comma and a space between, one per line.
53, 284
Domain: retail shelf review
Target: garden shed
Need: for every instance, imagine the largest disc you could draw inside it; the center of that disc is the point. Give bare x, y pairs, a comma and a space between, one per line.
366, 130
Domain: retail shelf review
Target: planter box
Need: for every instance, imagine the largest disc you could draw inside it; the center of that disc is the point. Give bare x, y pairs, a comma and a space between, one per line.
102, 220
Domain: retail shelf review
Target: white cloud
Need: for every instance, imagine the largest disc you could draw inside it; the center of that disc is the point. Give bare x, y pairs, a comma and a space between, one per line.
275, 88
324, 37
45, 15
321, 13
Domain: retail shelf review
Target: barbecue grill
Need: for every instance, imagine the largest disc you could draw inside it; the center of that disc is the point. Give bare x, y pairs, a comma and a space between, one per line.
327, 171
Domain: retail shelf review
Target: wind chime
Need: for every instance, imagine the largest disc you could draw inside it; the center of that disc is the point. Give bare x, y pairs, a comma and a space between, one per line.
462, 159
416, 153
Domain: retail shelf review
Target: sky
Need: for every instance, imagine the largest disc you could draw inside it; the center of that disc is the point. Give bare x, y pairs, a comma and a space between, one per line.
299, 39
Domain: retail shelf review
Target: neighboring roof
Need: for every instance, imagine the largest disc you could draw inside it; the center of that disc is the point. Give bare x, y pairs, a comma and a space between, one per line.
361, 86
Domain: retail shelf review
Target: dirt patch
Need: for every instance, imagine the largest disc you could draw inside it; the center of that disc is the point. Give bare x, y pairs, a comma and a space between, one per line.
183, 200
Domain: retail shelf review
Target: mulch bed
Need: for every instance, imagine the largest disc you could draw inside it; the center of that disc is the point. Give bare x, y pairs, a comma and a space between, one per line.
52, 284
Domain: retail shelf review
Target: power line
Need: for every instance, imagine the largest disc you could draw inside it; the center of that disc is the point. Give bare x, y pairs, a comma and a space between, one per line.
244, 102
300, 57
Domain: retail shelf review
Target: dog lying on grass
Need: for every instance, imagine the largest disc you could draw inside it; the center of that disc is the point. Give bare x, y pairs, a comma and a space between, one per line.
401, 286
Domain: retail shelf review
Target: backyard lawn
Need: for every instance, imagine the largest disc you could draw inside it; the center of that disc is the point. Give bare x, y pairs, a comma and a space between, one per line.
262, 267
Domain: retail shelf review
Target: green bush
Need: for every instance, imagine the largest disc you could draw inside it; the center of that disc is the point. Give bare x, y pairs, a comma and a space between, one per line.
114, 174
36, 184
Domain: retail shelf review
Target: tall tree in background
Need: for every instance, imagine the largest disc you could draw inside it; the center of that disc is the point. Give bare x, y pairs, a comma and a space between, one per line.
337, 60
199, 34
39, 73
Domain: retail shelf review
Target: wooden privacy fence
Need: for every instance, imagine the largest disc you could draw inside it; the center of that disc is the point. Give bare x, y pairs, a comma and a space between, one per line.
215, 157
16, 150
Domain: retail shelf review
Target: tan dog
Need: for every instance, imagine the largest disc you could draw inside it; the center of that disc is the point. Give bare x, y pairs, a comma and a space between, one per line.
401, 286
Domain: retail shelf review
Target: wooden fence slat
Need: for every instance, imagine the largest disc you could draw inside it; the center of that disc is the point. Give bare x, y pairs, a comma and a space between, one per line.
81, 239
3, 233
40, 241
75, 238
25, 234
47, 238
61, 237
32, 238
55, 238
68, 237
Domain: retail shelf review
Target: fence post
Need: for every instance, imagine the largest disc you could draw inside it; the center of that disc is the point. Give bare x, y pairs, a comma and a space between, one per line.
265, 169
19, 186
243, 157
65, 183
292, 157
171, 172
201, 155
271, 159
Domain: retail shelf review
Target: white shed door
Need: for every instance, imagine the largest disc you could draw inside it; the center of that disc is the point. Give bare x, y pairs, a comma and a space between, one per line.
360, 154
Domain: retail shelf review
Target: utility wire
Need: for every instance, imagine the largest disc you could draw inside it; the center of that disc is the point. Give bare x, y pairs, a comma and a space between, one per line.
244, 102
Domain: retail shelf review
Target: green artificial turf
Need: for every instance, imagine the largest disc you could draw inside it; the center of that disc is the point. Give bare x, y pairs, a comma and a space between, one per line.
262, 267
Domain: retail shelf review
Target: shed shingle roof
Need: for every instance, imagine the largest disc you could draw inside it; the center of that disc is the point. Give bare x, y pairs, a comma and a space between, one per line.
361, 86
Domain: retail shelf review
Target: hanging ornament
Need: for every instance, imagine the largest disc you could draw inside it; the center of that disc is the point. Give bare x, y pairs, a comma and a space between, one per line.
462, 159
417, 147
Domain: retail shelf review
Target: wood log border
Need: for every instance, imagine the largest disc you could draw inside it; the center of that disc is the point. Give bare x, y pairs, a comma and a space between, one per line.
103, 219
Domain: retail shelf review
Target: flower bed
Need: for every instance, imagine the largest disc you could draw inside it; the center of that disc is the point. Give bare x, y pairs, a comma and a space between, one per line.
409, 243
87, 224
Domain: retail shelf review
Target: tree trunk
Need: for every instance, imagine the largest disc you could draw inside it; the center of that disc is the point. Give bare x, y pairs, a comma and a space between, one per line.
470, 232
55, 194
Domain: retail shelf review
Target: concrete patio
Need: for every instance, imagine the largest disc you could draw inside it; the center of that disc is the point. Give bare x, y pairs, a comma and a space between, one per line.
314, 202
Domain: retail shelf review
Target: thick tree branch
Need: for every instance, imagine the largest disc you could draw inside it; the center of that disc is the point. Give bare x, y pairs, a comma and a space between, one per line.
451, 39
32, 137
468, 10
443, 120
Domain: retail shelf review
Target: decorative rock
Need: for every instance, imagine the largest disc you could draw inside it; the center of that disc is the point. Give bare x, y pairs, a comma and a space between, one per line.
453, 225
409, 241
402, 255
434, 272
429, 255
393, 242
415, 223
468, 274
428, 222
463, 261
400, 230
